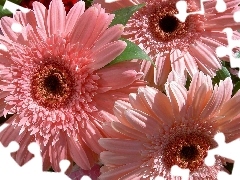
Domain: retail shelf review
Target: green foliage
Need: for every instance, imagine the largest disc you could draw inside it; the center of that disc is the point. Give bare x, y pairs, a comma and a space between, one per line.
123, 15
132, 51
221, 75
6, 12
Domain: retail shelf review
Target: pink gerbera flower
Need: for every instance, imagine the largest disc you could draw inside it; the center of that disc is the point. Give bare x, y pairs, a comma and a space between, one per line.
156, 131
175, 45
55, 81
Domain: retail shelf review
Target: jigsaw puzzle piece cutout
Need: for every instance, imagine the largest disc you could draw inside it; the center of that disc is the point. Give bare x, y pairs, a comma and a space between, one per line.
236, 16
7, 163
12, 7
222, 51
35, 162
182, 9
177, 171
226, 150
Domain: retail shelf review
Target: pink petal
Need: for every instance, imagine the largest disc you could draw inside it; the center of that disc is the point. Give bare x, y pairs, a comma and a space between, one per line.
142, 122
160, 104
6, 23
119, 75
107, 53
163, 65
111, 34
116, 173
73, 16
118, 159
129, 132
220, 95
178, 96
58, 151
122, 146
190, 63
56, 17
78, 153
92, 135
41, 14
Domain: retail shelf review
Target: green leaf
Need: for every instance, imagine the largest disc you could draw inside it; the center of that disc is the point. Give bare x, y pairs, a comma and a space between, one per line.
221, 75
132, 51
123, 15
236, 88
4, 12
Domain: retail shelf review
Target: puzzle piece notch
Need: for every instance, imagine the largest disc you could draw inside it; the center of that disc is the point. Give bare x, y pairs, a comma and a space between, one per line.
182, 9
177, 171
227, 150
236, 16
12, 7
30, 170
222, 51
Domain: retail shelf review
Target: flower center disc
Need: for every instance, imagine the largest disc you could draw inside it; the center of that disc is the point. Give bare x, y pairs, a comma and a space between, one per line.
187, 151
164, 26
168, 24
52, 86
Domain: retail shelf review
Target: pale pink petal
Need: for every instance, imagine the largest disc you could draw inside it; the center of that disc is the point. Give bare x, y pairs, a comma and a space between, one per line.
121, 146
125, 73
78, 153
41, 15
129, 132
22, 156
119, 171
179, 78
92, 135
73, 15
177, 61
141, 121
163, 67
178, 97
89, 36
6, 23
56, 18
230, 108
58, 152
204, 53
197, 80
220, 95
118, 158
110, 132
190, 64
111, 34
26, 18
159, 104
107, 53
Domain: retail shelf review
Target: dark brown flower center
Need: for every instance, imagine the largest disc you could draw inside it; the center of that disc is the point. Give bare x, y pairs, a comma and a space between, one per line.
168, 24
52, 86
188, 151
164, 26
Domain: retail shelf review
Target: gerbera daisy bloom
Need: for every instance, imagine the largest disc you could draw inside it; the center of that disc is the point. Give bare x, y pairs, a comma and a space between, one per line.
174, 45
67, 3
156, 131
55, 81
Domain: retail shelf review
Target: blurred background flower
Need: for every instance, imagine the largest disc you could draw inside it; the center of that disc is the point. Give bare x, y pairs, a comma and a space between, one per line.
67, 3
77, 173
